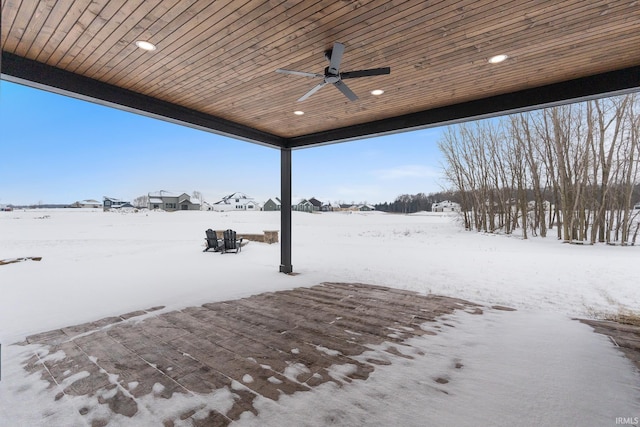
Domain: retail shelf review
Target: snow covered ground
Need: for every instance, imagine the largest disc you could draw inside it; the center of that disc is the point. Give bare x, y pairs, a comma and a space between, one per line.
530, 367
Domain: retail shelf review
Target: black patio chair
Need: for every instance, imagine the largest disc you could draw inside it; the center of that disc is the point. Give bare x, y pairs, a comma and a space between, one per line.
230, 242
213, 242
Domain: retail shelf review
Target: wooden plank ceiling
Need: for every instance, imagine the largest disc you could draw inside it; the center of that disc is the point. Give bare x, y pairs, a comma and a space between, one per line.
218, 58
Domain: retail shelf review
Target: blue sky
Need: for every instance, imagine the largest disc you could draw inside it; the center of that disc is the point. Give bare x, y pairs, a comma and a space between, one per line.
56, 149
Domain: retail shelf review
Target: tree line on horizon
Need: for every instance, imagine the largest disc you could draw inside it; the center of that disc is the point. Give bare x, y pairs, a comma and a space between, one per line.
573, 167
411, 203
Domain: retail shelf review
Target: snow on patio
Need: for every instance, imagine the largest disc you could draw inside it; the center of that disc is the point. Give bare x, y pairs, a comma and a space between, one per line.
534, 366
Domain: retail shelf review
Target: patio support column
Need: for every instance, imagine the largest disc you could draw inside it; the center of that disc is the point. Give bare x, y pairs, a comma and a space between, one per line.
285, 210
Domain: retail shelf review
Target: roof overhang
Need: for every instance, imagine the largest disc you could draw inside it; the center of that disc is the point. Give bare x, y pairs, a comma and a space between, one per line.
214, 68
34, 74
40, 76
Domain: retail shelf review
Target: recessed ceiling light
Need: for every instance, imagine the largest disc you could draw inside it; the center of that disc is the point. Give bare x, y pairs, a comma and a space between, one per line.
377, 92
497, 59
298, 113
145, 45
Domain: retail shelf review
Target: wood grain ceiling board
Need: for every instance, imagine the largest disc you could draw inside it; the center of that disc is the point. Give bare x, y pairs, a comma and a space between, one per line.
219, 58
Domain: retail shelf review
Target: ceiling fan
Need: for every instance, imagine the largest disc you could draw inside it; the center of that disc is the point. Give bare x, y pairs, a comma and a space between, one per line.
332, 74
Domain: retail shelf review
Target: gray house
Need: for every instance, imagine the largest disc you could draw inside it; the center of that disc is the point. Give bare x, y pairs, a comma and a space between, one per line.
273, 204
170, 202
317, 204
303, 206
109, 203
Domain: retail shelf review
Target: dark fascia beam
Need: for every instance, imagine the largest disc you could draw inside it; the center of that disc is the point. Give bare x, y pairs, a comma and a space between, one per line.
27, 72
35, 74
582, 89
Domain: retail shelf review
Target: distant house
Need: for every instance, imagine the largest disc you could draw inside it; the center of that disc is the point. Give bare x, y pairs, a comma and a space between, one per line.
236, 202
356, 208
317, 204
303, 206
90, 203
273, 204
4, 208
171, 202
342, 207
109, 203
346, 207
204, 206
327, 207
636, 206
445, 206
366, 208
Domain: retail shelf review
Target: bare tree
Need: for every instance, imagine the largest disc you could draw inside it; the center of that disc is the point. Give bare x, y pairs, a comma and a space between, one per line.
576, 166
605, 123
197, 196
457, 172
521, 130
630, 169
141, 201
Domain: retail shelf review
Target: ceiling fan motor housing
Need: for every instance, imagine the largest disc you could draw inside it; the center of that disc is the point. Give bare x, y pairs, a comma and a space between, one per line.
331, 78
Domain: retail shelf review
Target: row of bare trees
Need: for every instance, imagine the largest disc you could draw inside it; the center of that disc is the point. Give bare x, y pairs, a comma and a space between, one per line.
410, 203
572, 167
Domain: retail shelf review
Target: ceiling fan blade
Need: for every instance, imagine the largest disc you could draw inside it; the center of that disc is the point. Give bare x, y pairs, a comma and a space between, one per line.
312, 91
298, 73
366, 73
345, 89
336, 57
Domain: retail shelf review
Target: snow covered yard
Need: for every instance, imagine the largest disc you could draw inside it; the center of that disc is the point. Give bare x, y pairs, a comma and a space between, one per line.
534, 366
